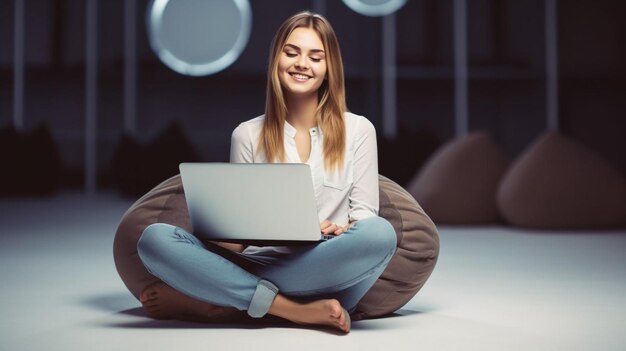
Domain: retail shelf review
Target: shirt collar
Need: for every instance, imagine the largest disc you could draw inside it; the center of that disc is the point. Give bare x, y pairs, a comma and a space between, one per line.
319, 131
290, 131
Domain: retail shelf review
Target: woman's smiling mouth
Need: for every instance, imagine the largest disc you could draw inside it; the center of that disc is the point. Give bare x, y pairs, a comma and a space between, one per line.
300, 77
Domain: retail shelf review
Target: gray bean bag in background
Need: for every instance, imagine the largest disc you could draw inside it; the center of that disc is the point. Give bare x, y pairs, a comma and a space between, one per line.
408, 270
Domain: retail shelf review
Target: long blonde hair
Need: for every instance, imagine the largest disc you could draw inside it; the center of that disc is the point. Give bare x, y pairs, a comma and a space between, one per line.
331, 94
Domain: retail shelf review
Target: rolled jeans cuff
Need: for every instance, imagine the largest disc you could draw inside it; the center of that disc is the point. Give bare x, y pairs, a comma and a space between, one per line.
262, 299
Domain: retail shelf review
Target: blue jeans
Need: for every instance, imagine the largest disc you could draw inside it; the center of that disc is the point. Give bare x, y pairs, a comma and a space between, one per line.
344, 268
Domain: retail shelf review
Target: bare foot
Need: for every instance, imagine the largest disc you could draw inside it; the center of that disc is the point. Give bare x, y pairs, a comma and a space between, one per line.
322, 312
160, 301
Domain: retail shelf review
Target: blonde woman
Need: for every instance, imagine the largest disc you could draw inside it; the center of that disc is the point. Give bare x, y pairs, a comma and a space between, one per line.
305, 121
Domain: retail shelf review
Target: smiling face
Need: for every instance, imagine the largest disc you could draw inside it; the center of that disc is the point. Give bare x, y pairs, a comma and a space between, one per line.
302, 63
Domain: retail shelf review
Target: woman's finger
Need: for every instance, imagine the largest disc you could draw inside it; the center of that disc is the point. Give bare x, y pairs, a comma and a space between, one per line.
339, 230
329, 230
325, 224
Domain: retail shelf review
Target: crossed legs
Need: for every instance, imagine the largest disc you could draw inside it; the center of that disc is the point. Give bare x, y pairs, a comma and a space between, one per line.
315, 285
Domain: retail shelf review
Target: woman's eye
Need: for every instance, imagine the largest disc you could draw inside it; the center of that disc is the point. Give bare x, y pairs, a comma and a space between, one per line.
290, 54
315, 59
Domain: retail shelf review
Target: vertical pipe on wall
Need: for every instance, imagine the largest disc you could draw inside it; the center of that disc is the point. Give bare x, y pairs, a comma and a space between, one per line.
389, 76
552, 66
130, 66
91, 92
461, 114
18, 66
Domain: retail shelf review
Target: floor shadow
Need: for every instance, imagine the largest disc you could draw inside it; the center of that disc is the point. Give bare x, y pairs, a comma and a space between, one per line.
400, 313
422, 308
243, 324
397, 314
111, 302
175, 324
136, 312
119, 305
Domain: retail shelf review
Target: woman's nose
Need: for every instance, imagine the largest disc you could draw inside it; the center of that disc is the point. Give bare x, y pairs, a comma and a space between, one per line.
301, 63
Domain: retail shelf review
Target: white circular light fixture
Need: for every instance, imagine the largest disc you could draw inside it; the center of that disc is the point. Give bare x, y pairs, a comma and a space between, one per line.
374, 8
199, 37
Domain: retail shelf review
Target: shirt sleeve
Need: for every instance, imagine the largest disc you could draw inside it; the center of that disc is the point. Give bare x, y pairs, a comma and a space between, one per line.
241, 150
364, 197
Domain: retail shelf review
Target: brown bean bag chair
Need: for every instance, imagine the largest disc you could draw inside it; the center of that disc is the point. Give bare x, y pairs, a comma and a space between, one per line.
415, 258
458, 184
557, 183
414, 261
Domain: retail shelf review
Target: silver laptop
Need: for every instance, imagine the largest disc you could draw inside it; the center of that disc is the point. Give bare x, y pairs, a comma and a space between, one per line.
256, 203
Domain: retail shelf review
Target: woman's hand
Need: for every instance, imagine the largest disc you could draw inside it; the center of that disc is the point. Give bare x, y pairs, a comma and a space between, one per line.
330, 228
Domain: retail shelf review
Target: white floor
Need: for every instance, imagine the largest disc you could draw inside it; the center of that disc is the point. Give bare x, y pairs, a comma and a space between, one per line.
494, 288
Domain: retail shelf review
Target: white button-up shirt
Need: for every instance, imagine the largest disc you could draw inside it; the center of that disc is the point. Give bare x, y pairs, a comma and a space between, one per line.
342, 197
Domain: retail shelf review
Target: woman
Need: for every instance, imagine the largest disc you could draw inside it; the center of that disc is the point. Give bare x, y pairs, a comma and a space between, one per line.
305, 121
